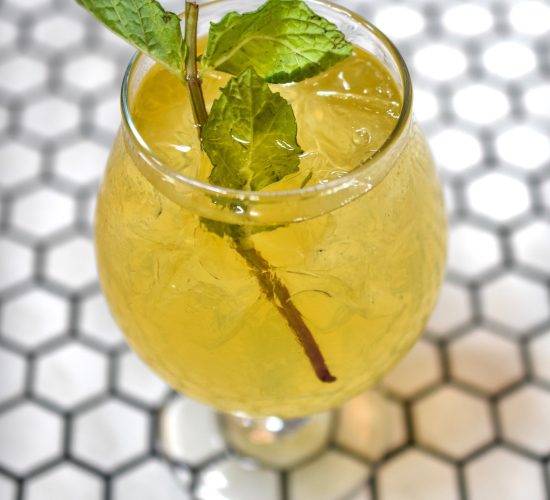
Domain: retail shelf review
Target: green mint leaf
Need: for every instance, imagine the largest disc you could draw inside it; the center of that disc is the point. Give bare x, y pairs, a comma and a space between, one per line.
284, 41
146, 25
250, 135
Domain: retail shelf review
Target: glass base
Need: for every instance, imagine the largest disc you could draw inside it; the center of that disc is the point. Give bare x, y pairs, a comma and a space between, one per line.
274, 442
326, 456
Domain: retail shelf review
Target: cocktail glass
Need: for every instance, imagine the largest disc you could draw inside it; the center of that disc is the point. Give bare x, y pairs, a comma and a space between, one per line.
361, 257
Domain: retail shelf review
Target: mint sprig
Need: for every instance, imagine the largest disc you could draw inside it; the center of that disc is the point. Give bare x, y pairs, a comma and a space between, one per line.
250, 135
284, 41
146, 25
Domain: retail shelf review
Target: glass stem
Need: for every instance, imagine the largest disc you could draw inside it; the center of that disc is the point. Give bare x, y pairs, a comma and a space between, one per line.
275, 442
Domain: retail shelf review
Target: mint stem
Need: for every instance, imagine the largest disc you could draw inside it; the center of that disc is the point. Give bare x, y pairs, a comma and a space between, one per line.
194, 83
271, 285
273, 288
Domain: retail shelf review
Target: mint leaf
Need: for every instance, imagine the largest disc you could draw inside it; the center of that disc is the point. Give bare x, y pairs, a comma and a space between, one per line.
250, 135
146, 25
284, 41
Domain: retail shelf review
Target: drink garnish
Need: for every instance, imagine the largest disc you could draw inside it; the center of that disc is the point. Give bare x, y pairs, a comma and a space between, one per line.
254, 129
250, 135
284, 41
146, 25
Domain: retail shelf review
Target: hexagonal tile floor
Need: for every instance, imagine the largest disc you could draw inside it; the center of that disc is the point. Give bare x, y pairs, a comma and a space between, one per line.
466, 413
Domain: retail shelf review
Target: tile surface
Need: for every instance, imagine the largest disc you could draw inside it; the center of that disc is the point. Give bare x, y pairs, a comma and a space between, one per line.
65, 482
415, 475
467, 411
485, 361
500, 474
452, 422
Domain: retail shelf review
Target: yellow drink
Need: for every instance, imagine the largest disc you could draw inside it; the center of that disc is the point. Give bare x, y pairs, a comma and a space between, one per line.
364, 275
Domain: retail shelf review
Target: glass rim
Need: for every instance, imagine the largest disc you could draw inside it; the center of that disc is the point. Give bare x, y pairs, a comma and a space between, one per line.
259, 196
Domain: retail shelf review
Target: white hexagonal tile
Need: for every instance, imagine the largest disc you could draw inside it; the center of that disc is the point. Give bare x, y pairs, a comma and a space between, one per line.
58, 32
419, 369
472, 251
5, 118
332, 475
43, 212
8, 33
96, 322
509, 59
16, 264
532, 245
450, 200
51, 117
152, 479
453, 310
485, 361
502, 475
34, 317
18, 164
138, 381
534, 151
90, 208
453, 422
190, 431
12, 375
64, 482
232, 480
426, 105
72, 263
525, 418
440, 61
455, 150
90, 72
537, 100
82, 162
8, 490
482, 104
515, 302
399, 21
70, 375
415, 475
371, 425
30, 436
530, 17
539, 351
498, 196
107, 113
21, 74
468, 19
110, 435
28, 4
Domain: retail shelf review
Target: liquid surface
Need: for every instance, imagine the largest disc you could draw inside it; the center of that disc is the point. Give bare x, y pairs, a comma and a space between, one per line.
364, 276
344, 115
